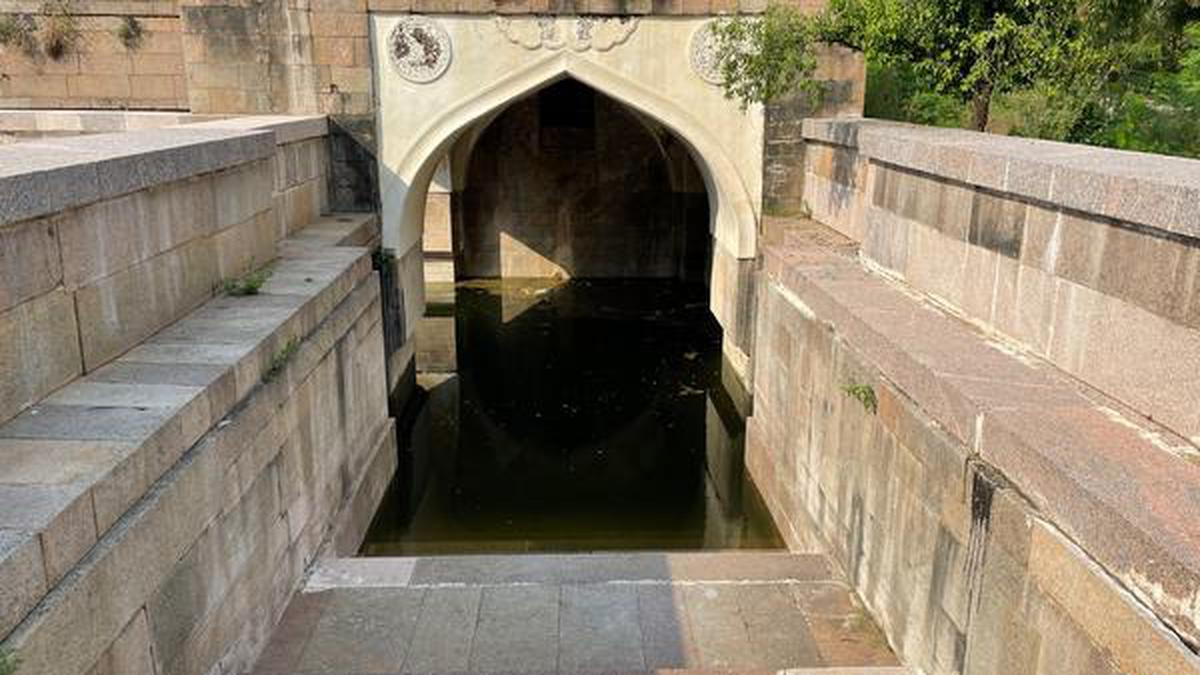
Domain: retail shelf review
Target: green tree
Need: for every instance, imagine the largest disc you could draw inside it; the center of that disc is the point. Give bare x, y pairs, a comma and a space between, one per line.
972, 50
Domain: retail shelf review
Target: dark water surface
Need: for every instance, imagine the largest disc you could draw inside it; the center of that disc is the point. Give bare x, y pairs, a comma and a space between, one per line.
583, 416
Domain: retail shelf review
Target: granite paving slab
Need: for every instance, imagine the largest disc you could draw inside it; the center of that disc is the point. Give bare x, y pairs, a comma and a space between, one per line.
643, 612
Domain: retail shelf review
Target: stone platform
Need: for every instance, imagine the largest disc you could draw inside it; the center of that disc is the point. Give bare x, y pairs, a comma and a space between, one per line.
724, 612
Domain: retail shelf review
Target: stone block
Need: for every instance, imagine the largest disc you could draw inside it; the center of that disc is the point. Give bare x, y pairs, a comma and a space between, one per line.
130, 653
29, 261
92, 86
242, 193
107, 237
334, 51
121, 310
937, 264
39, 350
1119, 626
62, 517
339, 24
22, 576
998, 224
389, 5
1151, 272
245, 247
200, 581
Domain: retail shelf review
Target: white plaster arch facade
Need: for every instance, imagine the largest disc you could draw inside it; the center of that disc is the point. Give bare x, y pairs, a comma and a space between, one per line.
650, 71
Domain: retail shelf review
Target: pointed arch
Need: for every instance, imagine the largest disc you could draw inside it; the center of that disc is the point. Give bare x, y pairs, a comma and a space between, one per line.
733, 213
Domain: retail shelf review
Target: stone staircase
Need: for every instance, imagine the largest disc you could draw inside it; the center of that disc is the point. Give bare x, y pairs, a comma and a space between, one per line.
130, 497
640, 612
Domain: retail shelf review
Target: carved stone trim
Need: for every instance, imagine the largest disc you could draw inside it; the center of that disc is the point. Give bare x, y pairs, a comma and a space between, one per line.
702, 53
577, 33
419, 49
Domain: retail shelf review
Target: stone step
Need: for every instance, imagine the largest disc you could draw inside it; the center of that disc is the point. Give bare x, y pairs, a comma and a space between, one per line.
637, 612
648, 568
73, 466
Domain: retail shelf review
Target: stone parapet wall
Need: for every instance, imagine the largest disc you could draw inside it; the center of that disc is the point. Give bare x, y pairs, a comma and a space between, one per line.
119, 235
1089, 258
17, 125
101, 71
193, 539
172, 457
996, 515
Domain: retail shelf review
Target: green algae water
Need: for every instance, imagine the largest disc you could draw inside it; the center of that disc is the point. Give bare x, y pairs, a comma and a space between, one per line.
579, 416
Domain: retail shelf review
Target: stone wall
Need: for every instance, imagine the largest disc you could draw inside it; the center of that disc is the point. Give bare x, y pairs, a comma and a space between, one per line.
97, 257
967, 384
994, 515
843, 74
101, 71
165, 481
1088, 258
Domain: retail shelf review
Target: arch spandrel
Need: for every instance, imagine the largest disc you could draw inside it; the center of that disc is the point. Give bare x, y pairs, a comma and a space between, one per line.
649, 72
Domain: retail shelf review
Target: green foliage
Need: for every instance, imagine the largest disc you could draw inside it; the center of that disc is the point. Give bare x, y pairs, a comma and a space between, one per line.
864, 394
280, 359
1120, 73
250, 284
8, 662
768, 57
131, 33
19, 31
61, 34
895, 92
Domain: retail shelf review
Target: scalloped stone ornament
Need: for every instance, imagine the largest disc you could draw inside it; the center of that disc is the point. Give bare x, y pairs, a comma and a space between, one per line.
419, 49
577, 33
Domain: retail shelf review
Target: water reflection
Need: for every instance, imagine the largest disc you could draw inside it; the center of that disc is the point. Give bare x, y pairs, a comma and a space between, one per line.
583, 416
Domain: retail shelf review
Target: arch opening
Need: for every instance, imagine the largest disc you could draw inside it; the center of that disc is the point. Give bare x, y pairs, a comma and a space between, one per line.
569, 183
573, 361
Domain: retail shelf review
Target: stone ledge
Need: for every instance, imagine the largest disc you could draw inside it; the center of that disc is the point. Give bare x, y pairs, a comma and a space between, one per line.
570, 7
1122, 488
72, 465
287, 128
566, 568
42, 177
74, 122
1156, 191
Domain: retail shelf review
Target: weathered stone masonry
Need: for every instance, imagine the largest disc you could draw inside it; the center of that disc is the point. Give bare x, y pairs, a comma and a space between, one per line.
157, 511
1020, 494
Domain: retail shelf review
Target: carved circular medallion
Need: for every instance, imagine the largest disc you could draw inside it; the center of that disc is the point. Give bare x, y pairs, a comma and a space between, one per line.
702, 52
419, 49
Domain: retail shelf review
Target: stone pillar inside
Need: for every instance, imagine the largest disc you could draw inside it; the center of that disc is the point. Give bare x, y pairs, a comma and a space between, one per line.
435, 332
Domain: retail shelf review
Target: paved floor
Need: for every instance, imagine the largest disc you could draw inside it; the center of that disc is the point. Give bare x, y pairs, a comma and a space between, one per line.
743, 612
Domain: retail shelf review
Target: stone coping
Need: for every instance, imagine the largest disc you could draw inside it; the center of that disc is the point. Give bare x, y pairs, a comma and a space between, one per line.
72, 465
1156, 191
1124, 489
569, 568
92, 121
575, 7
287, 128
163, 8
45, 176
41, 177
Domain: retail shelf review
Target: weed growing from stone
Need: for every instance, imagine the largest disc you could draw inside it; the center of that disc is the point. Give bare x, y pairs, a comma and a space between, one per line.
19, 31
864, 394
62, 35
279, 360
250, 284
8, 662
131, 33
